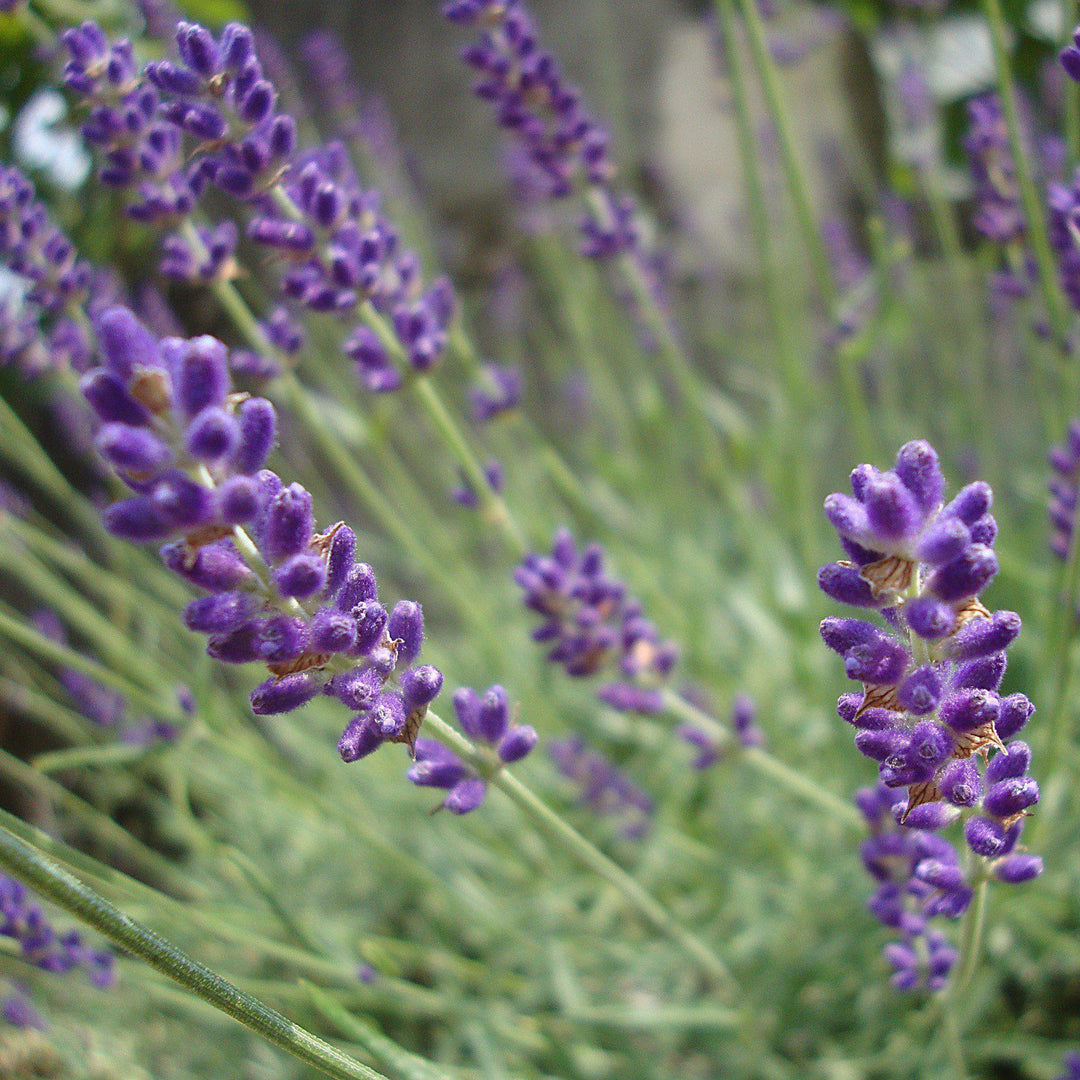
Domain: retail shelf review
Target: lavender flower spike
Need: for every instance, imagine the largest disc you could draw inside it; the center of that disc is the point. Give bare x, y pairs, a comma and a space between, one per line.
930, 713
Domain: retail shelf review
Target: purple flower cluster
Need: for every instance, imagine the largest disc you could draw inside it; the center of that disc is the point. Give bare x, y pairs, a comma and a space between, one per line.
1071, 1061
497, 391
1064, 490
485, 719
340, 252
1064, 233
24, 921
743, 727
998, 213
929, 711
604, 788
590, 622
280, 593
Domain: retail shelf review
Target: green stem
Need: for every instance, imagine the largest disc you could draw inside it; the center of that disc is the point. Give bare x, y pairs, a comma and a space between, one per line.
764, 763
592, 858
797, 184
970, 941
66, 891
1034, 211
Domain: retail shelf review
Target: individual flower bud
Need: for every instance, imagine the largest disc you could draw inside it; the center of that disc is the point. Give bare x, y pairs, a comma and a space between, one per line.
881, 662
340, 560
108, 396
212, 436
965, 576
371, 620
126, 344
960, 783
881, 745
1014, 761
301, 576
848, 516
917, 466
920, 692
239, 646
238, 500
202, 374
983, 637
388, 715
891, 508
984, 836
1016, 869
289, 523
943, 541
282, 638
440, 772
1010, 797
359, 739
406, 625
215, 567
132, 449
332, 631
985, 673
517, 743
929, 617
420, 686
947, 876
930, 816
356, 689
494, 714
984, 530
466, 796
966, 710
139, 520
185, 503
285, 694
846, 585
847, 706
843, 635
1016, 709
218, 614
930, 743
258, 427
971, 502
359, 587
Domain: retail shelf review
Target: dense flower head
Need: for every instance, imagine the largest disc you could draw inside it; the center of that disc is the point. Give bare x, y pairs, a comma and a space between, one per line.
592, 624
930, 712
487, 719
1064, 490
23, 920
998, 213
603, 787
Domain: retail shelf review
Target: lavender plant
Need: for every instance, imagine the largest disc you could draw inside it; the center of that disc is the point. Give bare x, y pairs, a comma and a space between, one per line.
244, 410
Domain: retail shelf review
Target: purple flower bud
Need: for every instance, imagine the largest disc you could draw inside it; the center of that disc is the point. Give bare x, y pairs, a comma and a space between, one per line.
216, 567
212, 436
891, 509
947, 876
930, 816
517, 743
258, 426
139, 520
388, 715
371, 620
359, 587
943, 541
359, 739
844, 584
966, 710
301, 576
289, 523
108, 396
985, 673
340, 559
356, 689
841, 635
1010, 797
407, 627
920, 692
917, 466
332, 631
201, 374
928, 617
1016, 869
238, 500
218, 614
420, 686
125, 343
133, 449
285, 694
239, 646
981, 637
960, 783
493, 717
185, 503
1014, 761
881, 662
628, 697
971, 502
984, 836
1016, 709
881, 745
965, 576
466, 796
440, 772
467, 706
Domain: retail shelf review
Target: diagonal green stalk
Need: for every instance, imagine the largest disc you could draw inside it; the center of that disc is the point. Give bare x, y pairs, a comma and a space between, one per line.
37, 870
591, 857
764, 763
1034, 210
